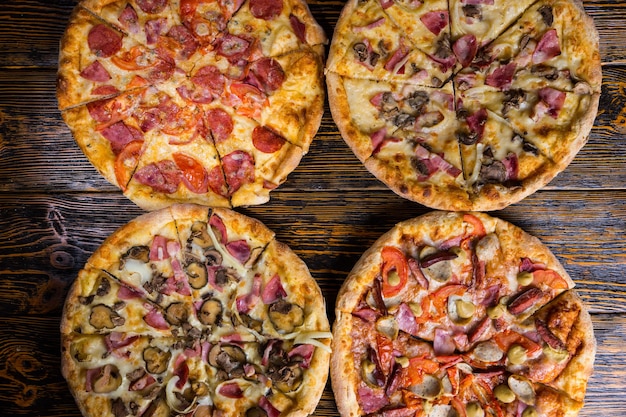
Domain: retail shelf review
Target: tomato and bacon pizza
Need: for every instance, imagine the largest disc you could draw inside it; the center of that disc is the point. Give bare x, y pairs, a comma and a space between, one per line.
460, 314
209, 102
464, 105
197, 312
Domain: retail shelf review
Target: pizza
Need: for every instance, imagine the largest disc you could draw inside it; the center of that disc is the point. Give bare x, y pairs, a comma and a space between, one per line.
460, 314
192, 101
197, 312
464, 105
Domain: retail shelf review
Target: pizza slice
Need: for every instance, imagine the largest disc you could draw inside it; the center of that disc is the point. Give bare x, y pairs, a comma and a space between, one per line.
143, 375
566, 343
117, 311
108, 64
255, 158
404, 134
144, 21
554, 44
107, 134
555, 122
484, 20
146, 256
426, 24
368, 45
181, 162
498, 162
279, 26
282, 300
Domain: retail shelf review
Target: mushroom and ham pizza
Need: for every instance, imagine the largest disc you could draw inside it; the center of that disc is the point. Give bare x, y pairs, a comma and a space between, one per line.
197, 312
209, 102
464, 105
459, 314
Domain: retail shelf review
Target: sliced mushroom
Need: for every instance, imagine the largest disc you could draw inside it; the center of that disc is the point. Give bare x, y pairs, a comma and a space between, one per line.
251, 323
429, 388
176, 314
108, 380
211, 312
287, 378
197, 273
225, 275
286, 316
140, 253
156, 359
157, 408
212, 257
104, 285
522, 388
227, 357
103, 317
371, 374
118, 408
199, 234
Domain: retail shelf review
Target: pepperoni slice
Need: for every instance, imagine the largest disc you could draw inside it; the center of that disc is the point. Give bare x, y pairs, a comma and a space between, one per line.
187, 42
269, 72
266, 9
104, 90
265, 140
194, 175
238, 169
104, 41
220, 123
152, 6
95, 72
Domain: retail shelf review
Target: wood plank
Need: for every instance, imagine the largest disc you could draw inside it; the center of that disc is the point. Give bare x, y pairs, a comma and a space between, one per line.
32, 29
38, 153
45, 240
31, 382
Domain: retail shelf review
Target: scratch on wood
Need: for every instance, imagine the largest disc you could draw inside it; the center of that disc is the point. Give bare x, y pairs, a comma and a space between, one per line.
56, 221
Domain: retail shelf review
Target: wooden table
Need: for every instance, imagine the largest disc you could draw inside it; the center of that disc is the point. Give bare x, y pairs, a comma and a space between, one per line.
55, 210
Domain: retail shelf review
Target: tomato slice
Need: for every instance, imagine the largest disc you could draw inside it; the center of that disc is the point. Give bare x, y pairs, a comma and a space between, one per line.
506, 339
551, 278
418, 367
252, 99
130, 60
195, 176
385, 352
479, 228
394, 260
440, 297
126, 162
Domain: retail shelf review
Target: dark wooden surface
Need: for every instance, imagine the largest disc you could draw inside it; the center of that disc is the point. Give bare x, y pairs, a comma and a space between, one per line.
55, 209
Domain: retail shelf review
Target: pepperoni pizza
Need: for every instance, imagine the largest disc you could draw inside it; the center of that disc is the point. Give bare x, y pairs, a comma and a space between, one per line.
464, 105
460, 314
195, 312
211, 102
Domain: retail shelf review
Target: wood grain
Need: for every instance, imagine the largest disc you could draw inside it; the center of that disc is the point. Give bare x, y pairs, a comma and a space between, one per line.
55, 210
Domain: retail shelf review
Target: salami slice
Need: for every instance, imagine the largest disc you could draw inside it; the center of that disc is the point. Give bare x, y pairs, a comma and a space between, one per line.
95, 72
220, 123
266, 9
104, 41
152, 6
266, 141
